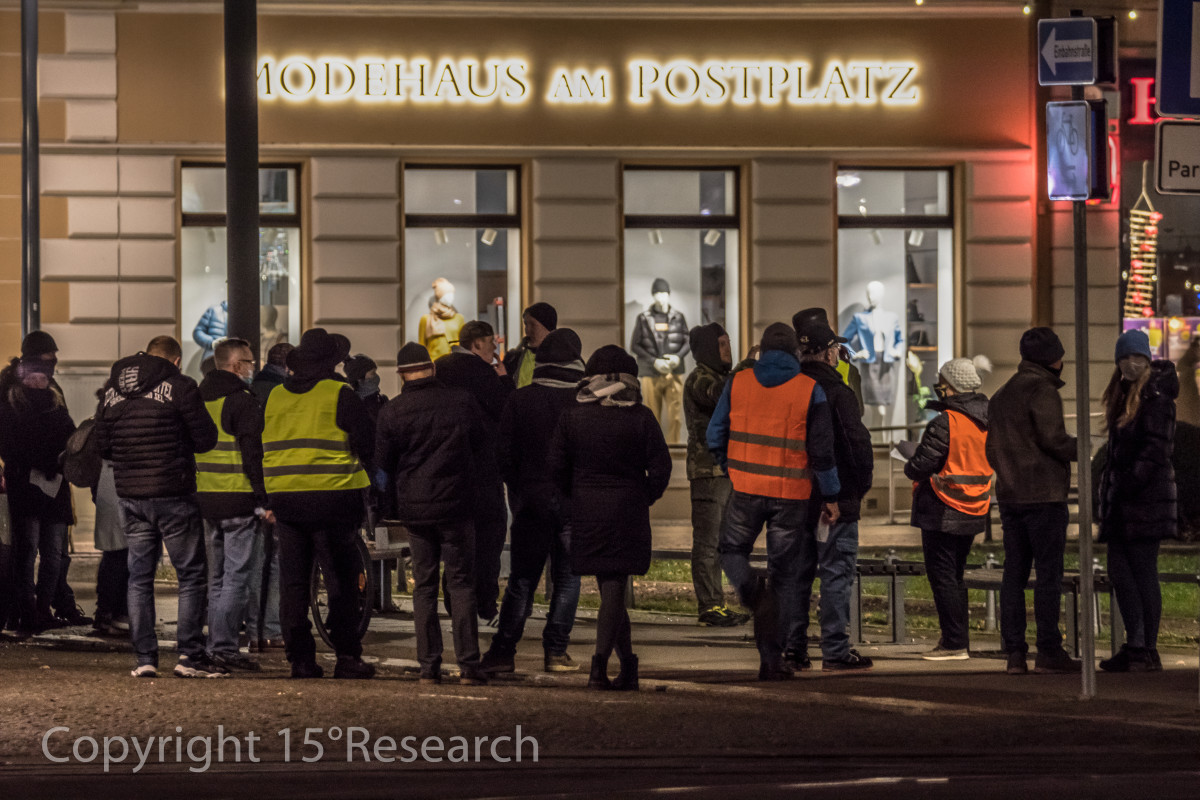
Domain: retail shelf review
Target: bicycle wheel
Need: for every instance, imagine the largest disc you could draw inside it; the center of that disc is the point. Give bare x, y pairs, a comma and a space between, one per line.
364, 589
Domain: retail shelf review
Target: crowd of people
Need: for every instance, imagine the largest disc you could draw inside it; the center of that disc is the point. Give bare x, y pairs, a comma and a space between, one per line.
249, 477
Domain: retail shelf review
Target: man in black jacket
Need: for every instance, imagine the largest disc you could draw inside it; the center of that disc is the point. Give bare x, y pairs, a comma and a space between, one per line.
468, 366
150, 425
427, 442
539, 530
832, 553
1030, 450
229, 488
519, 362
273, 373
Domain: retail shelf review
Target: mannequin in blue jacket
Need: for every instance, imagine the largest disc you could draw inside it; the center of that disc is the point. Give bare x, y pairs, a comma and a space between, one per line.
212, 326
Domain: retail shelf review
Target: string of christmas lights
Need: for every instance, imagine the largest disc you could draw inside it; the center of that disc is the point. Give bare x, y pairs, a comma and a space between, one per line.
1142, 275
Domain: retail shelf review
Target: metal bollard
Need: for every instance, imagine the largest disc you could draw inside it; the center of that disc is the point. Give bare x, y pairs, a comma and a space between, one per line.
990, 624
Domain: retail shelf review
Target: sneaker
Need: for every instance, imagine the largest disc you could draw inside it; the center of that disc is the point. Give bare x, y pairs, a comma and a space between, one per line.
796, 661
773, 672
1017, 664
472, 676
120, 623
46, 623
145, 671
496, 662
236, 661
303, 670
1056, 664
430, 677
852, 661
200, 666
1155, 661
1127, 659
560, 662
353, 668
941, 653
72, 617
722, 617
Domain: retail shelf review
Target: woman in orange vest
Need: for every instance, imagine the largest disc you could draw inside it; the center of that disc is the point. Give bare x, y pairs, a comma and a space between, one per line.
952, 484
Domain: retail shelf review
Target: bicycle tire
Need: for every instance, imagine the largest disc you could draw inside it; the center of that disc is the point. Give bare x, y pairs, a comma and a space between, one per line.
366, 593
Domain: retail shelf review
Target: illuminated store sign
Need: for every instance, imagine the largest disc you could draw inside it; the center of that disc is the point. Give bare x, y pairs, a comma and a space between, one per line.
646, 82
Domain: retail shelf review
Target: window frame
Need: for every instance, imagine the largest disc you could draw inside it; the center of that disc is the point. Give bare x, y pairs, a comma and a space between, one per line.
194, 219
422, 220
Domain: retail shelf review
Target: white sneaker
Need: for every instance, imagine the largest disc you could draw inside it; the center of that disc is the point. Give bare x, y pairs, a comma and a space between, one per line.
145, 671
940, 653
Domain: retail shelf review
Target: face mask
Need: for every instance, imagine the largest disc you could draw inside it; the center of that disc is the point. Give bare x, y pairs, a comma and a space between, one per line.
37, 366
247, 379
940, 391
1055, 372
368, 387
1132, 368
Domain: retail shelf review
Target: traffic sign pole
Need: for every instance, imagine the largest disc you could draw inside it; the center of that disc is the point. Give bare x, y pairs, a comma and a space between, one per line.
1083, 432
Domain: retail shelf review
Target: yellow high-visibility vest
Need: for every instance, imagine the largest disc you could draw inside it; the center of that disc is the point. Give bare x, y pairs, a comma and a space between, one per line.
220, 469
303, 448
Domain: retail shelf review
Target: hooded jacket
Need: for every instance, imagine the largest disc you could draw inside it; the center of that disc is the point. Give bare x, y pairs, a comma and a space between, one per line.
242, 418
701, 392
150, 424
851, 439
929, 513
1137, 485
1027, 443
34, 428
267, 379
776, 368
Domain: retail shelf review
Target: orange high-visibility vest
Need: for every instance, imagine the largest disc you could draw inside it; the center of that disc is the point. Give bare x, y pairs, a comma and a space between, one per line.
767, 432
965, 483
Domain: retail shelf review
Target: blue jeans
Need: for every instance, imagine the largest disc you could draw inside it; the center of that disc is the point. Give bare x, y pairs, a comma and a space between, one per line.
518, 600
33, 536
232, 543
151, 523
787, 529
834, 562
262, 613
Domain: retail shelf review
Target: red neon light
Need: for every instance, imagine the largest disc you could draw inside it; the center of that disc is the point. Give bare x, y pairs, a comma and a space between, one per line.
1143, 98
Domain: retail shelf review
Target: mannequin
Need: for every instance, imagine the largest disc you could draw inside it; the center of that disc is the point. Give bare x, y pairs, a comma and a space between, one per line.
660, 342
212, 327
438, 330
269, 334
877, 342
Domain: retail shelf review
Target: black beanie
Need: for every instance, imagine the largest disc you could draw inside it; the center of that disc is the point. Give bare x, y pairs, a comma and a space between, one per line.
356, 368
561, 346
545, 314
1041, 346
611, 359
660, 285
38, 343
780, 336
802, 319
413, 357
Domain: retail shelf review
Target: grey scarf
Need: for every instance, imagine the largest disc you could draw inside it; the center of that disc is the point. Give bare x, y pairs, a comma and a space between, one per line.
614, 389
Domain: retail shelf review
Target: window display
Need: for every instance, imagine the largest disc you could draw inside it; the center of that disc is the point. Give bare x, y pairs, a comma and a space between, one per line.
204, 306
681, 263
895, 288
462, 254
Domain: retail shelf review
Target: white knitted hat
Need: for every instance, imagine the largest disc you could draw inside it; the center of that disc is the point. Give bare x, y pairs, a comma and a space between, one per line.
961, 374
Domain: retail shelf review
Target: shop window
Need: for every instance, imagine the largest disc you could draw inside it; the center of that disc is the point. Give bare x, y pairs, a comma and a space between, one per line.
462, 253
681, 270
896, 287
204, 265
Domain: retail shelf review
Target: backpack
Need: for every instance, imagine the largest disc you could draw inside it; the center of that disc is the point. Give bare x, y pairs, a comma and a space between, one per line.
81, 462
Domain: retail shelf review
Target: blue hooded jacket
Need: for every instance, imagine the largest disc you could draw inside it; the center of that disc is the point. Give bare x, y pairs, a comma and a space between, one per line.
776, 368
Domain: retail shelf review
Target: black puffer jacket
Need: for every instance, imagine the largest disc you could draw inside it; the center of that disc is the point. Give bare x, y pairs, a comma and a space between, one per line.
851, 440
34, 428
1137, 486
613, 464
701, 391
929, 513
428, 441
242, 418
1027, 442
656, 334
150, 424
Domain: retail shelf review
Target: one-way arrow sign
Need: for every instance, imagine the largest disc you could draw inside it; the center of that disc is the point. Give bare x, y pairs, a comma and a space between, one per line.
1067, 51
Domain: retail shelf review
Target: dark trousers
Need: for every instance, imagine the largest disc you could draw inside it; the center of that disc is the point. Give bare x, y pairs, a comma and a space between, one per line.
709, 498
491, 528
34, 537
945, 562
1133, 567
8, 611
1035, 535
112, 584
333, 546
454, 543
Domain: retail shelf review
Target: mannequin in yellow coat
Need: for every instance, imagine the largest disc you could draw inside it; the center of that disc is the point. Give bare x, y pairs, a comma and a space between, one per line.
438, 330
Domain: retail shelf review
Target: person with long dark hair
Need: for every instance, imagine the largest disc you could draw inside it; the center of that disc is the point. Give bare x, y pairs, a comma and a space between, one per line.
1137, 493
609, 458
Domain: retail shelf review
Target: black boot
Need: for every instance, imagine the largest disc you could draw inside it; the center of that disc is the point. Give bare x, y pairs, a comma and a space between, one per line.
627, 680
599, 677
